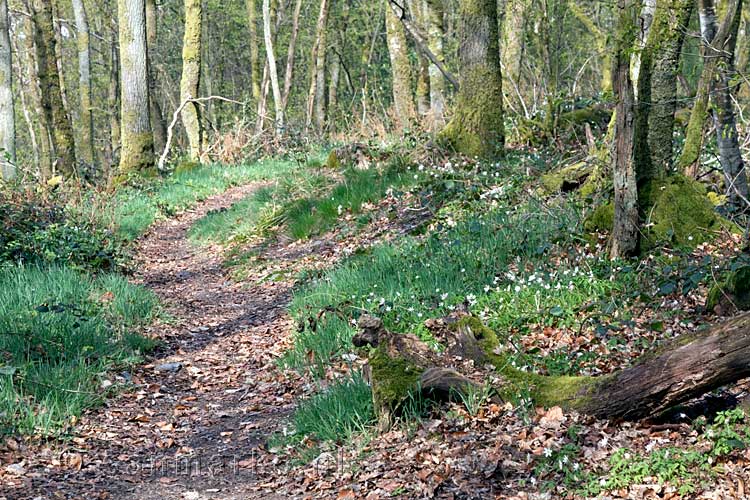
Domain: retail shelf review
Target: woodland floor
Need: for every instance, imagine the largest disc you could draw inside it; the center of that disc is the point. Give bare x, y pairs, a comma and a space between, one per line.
194, 422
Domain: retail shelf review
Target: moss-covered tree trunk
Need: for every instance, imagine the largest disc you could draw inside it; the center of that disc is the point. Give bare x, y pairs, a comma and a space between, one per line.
689, 367
422, 94
152, 38
254, 42
657, 89
86, 115
401, 78
7, 114
625, 232
137, 139
725, 122
34, 94
53, 109
476, 128
113, 98
191, 77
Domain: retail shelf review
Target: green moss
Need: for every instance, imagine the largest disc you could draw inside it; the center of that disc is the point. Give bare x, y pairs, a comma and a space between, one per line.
393, 379
568, 178
733, 292
333, 161
677, 212
601, 220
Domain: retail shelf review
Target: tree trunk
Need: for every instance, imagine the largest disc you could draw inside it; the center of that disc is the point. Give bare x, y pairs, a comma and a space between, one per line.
53, 109
7, 115
477, 128
289, 73
26, 82
657, 89
433, 10
252, 21
687, 368
316, 96
152, 38
113, 98
625, 232
137, 150
403, 101
86, 125
725, 122
35, 96
191, 77
273, 73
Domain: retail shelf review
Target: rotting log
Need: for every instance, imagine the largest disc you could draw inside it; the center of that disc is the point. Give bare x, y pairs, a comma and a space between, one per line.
684, 369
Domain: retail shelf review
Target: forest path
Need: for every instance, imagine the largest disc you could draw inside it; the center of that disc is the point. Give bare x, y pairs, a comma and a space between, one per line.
196, 423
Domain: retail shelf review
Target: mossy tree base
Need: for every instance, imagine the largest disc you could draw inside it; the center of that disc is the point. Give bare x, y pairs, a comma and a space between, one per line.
675, 211
689, 367
732, 294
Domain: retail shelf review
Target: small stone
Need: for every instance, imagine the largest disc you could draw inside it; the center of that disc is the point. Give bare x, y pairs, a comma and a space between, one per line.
16, 469
191, 495
169, 367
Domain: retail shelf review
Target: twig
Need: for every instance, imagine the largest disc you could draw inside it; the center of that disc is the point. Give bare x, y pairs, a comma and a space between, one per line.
175, 117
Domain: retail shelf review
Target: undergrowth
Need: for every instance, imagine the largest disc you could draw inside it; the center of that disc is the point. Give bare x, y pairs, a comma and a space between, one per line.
60, 331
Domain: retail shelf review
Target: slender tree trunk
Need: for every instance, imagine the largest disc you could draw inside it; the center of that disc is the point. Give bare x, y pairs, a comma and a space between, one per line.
657, 89
289, 73
255, 73
86, 125
725, 122
273, 73
25, 82
35, 96
625, 232
53, 109
137, 150
477, 128
334, 76
152, 38
403, 100
191, 77
113, 98
7, 115
434, 17
316, 96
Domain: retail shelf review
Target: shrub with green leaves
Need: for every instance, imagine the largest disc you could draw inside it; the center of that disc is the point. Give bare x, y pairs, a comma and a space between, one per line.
60, 331
42, 230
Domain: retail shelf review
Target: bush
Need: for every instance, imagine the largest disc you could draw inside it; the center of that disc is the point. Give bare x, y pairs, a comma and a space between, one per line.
37, 230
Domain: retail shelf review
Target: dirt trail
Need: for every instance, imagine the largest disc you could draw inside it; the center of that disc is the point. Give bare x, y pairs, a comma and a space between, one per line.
195, 428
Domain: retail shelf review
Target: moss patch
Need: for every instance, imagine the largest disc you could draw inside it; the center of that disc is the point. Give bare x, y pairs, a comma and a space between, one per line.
677, 212
393, 379
601, 220
567, 179
333, 161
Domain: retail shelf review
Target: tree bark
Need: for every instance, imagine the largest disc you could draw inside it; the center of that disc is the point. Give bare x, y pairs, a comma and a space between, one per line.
86, 147
252, 21
477, 128
401, 79
434, 18
7, 114
191, 77
289, 73
625, 232
152, 38
53, 109
273, 72
113, 97
725, 122
316, 96
689, 367
137, 139
657, 89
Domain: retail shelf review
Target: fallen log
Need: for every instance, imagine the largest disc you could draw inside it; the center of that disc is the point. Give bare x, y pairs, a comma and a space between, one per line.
684, 369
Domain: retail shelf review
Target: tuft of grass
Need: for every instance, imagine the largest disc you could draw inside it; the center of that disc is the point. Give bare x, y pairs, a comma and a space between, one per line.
60, 331
340, 412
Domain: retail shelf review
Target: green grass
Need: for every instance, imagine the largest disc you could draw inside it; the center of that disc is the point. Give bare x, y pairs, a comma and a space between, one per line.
135, 209
301, 205
338, 413
60, 331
